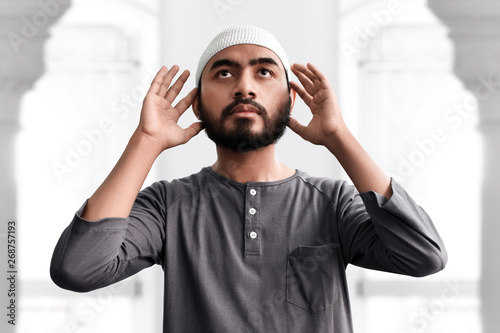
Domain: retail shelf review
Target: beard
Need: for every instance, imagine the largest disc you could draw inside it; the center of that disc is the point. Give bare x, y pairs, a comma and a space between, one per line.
240, 138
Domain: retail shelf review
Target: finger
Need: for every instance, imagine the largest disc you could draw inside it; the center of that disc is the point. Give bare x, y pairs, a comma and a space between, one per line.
296, 127
192, 130
176, 88
306, 83
320, 81
317, 81
304, 95
186, 102
299, 71
324, 84
304, 70
315, 70
167, 79
156, 83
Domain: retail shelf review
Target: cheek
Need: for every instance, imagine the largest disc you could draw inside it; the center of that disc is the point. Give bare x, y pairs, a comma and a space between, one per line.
275, 99
213, 98
208, 105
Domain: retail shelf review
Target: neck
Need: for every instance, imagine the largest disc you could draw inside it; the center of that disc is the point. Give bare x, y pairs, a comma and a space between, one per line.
260, 165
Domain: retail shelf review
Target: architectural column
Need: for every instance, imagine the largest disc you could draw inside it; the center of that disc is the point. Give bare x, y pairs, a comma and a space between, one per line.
23, 30
475, 31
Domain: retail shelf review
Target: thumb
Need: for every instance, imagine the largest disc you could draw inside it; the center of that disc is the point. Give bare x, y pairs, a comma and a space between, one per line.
192, 130
296, 126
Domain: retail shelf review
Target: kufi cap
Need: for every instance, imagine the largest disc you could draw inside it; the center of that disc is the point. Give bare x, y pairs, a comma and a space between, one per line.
241, 34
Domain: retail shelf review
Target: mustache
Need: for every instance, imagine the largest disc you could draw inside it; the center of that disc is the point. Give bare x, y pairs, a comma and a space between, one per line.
227, 110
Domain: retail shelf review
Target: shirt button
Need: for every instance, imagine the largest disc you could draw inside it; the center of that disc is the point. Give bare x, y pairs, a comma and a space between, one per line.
253, 235
252, 211
253, 192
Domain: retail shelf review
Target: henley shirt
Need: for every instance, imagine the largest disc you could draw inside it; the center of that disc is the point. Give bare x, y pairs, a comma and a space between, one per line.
251, 257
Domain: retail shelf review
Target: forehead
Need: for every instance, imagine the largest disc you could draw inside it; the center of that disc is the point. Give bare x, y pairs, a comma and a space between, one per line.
243, 54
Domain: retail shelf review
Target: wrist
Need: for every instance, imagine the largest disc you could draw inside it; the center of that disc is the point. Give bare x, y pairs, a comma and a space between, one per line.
338, 139
146, 143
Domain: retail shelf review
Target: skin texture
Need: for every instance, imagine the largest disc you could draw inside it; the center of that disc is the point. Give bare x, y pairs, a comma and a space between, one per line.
242, 137
249, 73
263, 83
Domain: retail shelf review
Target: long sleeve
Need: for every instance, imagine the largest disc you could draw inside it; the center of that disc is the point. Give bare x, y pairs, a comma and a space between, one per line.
394, 235
91, 255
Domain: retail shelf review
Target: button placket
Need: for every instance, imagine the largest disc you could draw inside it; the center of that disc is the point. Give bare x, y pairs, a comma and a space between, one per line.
252, 221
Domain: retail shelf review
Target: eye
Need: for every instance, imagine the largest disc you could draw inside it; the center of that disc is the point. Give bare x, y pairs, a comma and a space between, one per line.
265, 72
224, 73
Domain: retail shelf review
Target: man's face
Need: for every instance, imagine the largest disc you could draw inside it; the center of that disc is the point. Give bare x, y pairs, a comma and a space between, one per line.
244, 101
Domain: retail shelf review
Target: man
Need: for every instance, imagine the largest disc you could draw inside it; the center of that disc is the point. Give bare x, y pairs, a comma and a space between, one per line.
248, 244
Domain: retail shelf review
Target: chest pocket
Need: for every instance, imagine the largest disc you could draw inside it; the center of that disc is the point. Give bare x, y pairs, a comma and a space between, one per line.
312, 281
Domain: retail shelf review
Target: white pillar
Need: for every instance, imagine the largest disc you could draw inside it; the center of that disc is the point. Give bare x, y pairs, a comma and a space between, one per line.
23, 27
475, 31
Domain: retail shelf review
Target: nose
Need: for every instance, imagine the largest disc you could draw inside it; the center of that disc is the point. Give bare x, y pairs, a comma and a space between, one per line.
244, 86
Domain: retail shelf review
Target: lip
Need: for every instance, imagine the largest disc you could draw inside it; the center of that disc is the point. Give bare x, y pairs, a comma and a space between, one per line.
244, 109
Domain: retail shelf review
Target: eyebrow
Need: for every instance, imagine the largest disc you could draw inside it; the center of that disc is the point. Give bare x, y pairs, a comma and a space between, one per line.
225, 62
259, 61
234, 63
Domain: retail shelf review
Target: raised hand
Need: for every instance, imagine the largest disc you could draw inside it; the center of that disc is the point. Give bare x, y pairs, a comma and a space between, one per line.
159, 118
328, 128
318, 94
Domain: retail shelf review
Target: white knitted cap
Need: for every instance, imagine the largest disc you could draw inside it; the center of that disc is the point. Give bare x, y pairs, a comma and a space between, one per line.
241, 34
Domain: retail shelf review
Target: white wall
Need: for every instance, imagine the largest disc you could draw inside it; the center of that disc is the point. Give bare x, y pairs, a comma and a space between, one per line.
75, 123
419, 123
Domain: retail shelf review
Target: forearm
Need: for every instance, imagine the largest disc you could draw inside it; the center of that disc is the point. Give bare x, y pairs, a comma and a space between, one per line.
393, 235
359, 166
116, 195
86, 255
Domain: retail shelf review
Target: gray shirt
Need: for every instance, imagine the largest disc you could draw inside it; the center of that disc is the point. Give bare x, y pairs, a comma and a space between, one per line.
253, 257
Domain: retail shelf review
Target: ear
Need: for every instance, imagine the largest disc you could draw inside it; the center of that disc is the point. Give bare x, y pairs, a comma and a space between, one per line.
293, 95
195, 107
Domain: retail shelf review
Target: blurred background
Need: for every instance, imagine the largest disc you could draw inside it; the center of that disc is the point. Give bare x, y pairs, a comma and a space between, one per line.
417, 83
